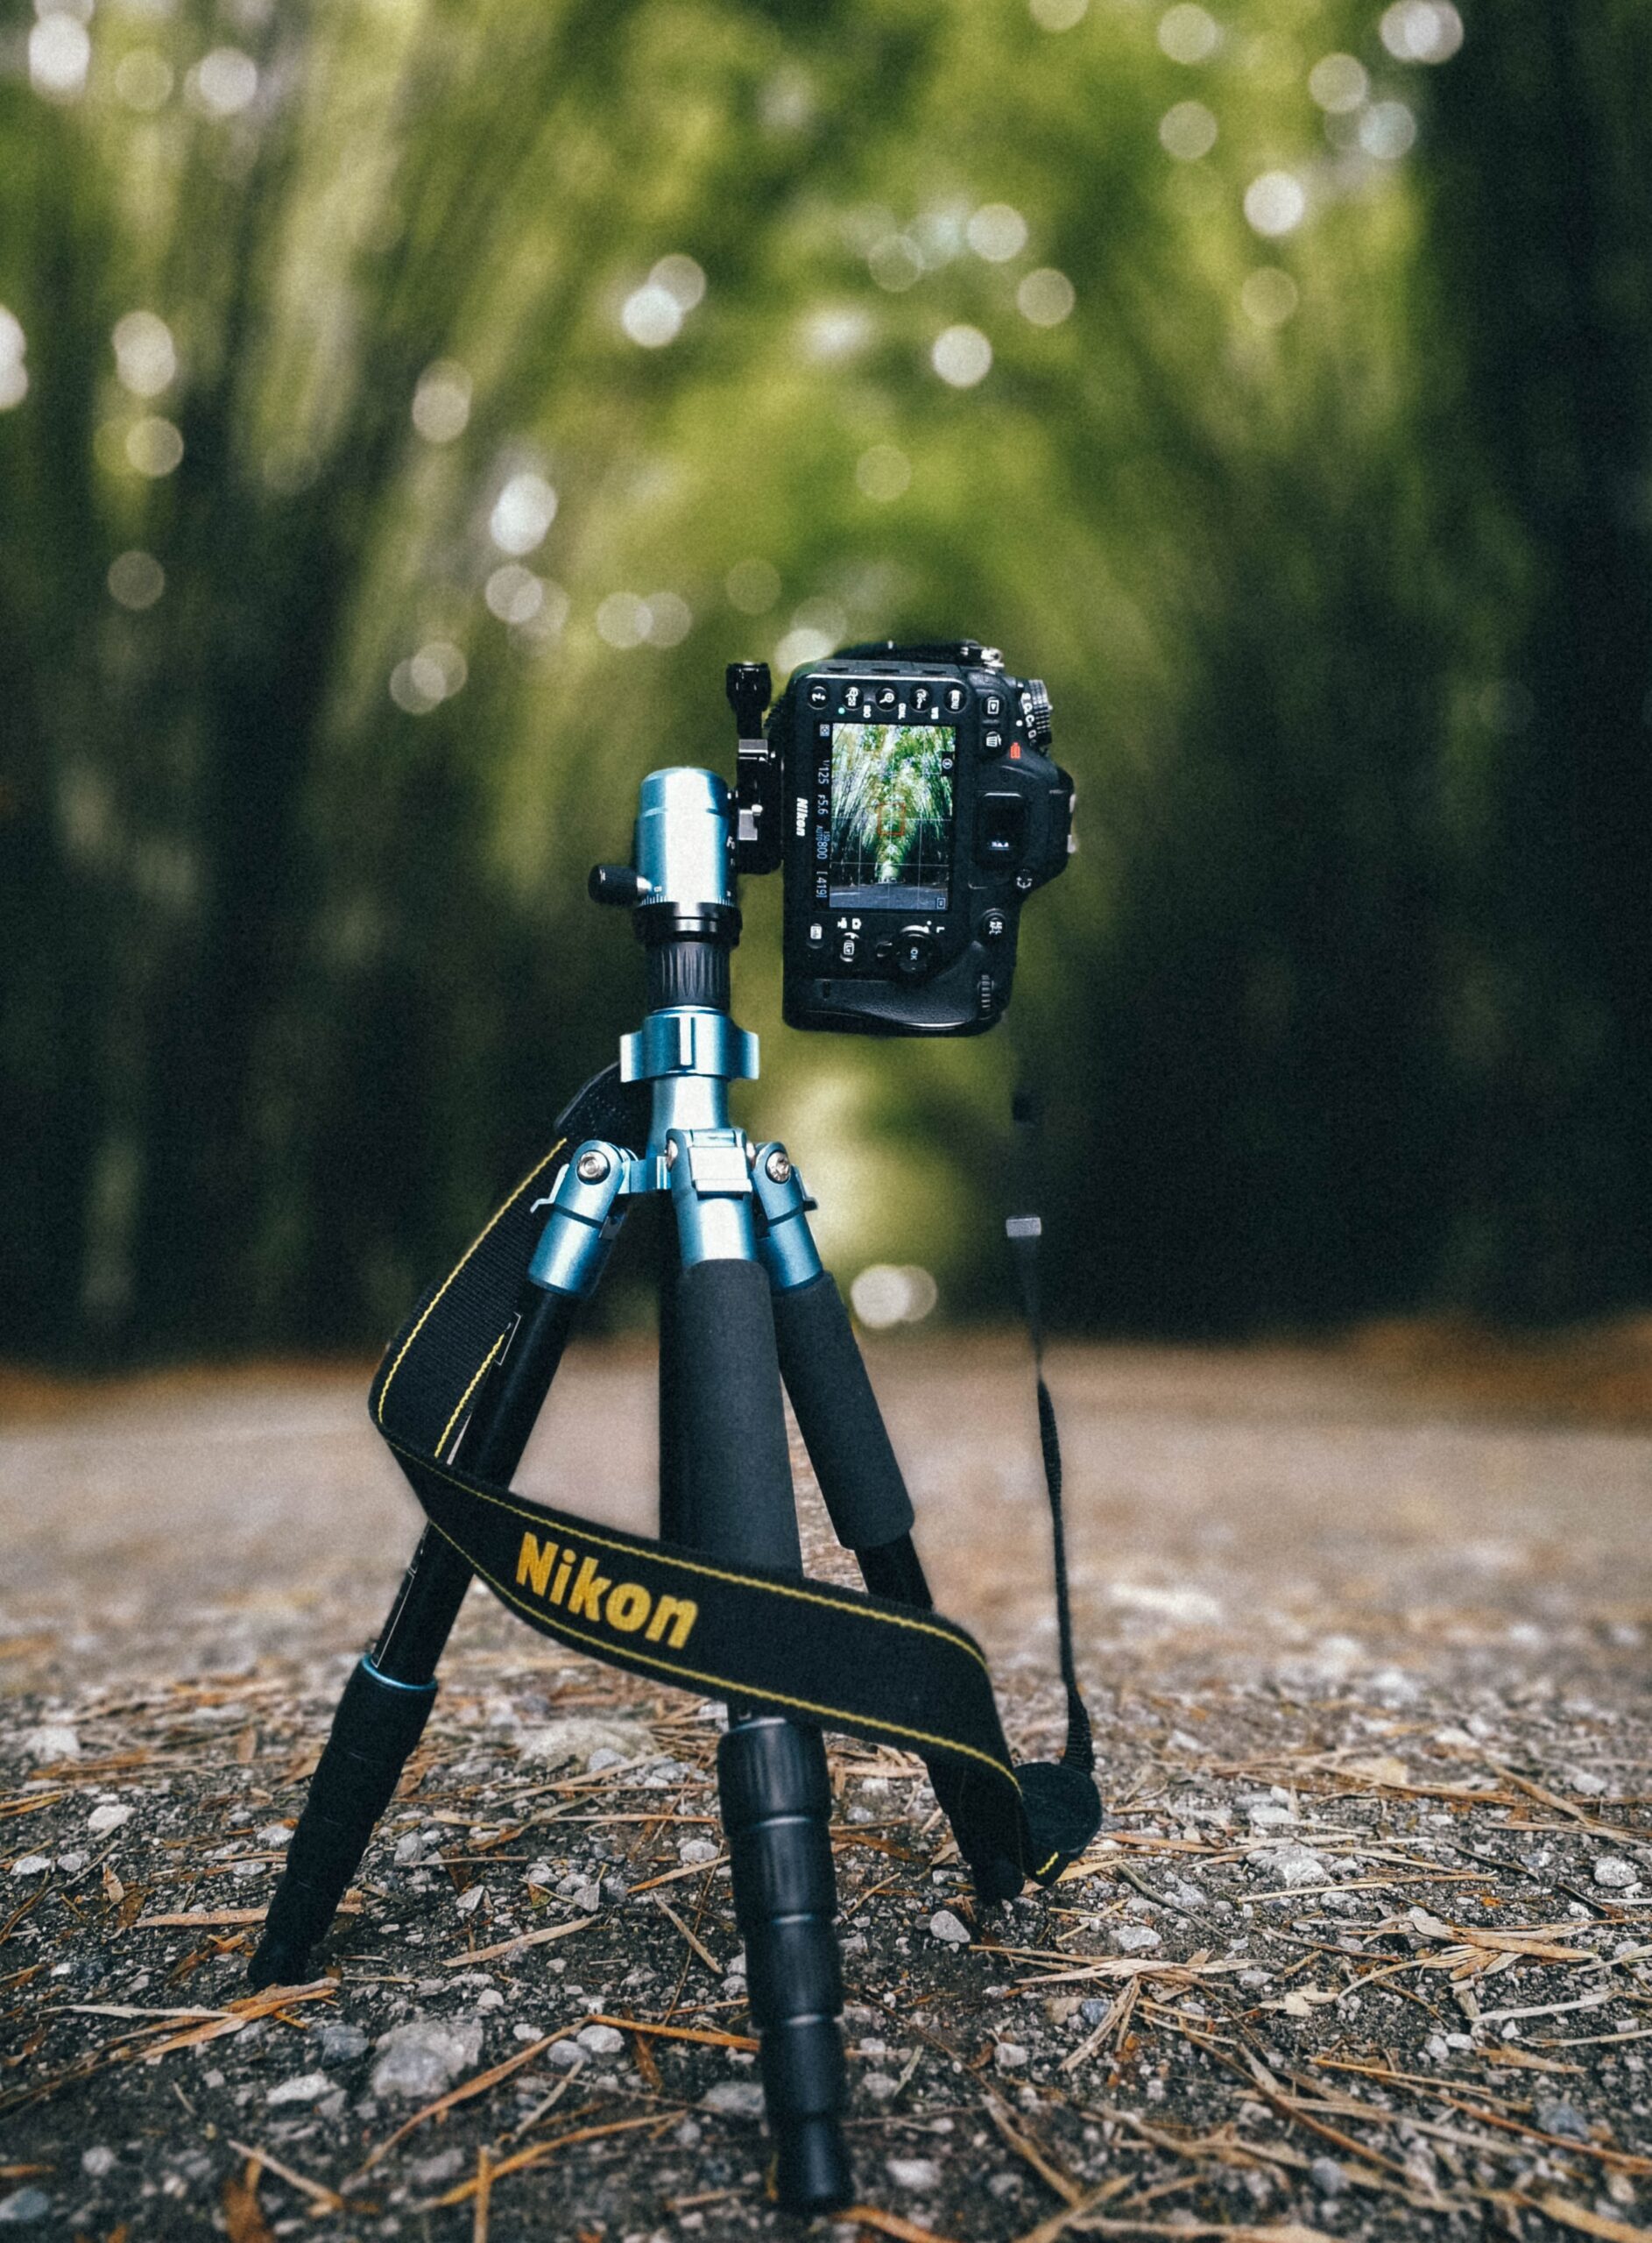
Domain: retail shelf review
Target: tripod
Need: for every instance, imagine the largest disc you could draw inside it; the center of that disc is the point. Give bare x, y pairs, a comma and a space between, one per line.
745, 1304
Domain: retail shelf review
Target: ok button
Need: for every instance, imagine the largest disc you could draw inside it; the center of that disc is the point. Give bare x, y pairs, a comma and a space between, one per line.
914, 953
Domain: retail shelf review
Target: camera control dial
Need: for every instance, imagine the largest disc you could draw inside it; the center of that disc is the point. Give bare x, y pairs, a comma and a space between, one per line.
1036, 709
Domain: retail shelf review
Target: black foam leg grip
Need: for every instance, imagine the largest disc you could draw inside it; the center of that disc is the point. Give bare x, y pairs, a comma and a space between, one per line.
736, 1469
776, 1800
374, 1731
839, 1416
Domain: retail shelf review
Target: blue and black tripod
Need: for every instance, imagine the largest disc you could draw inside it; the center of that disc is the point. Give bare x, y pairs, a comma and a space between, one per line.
745, 1306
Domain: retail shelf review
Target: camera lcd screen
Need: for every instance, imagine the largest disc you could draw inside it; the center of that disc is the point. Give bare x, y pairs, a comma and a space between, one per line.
892, 817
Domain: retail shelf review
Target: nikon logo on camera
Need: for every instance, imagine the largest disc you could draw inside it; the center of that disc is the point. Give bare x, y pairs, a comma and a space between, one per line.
625, 1606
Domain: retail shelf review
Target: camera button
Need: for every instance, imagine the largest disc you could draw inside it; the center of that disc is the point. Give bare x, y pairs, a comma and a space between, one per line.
914, 952
819, 694
847, 948
992, 927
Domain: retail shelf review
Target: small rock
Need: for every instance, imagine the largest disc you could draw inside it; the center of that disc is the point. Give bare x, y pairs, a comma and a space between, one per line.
580, 1736
97, 2161
877, 2085
445, 2165
31, 1865
71, 1865
523, 2031
274, 1835
565, 2054
1563, 2119
109, 1817
424, 2056
697, 1850
410, 1847
588, 1898
1612, 1869
1009, 2055
1327, 2176
25, 2205
1091, 2012
1135, 1939
944, 1926
915, 2173
490, 1999
51, 1741
537, 1872
604, 1757
1296, 1865
735, 2099
601, 2040
308, 2087
338, 2043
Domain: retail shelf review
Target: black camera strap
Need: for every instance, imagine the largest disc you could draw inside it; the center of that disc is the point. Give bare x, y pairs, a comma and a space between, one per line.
850, 1661
1024, 1229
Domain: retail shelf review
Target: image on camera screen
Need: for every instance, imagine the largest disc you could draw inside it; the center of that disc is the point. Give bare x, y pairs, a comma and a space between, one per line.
892, 817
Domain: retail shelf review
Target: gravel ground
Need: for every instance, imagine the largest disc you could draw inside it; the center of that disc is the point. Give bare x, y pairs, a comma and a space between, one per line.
1365, 1948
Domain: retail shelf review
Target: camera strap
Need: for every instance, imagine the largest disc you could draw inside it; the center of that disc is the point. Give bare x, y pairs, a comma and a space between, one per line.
880, 1670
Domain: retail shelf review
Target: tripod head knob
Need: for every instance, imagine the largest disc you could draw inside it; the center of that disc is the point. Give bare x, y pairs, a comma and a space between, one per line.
617, 885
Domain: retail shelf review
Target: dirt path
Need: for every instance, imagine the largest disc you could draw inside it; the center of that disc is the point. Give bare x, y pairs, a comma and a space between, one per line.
1369, 1673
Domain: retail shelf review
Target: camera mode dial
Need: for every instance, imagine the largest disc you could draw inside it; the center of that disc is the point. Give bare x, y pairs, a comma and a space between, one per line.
1036, 709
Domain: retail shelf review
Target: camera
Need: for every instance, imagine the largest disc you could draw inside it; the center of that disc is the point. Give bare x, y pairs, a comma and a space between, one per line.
906, 793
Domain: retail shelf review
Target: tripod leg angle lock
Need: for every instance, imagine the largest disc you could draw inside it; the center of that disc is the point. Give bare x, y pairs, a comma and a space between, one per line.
719, 1605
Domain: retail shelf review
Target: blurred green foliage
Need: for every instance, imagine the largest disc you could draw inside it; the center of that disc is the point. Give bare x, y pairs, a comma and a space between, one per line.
410, 409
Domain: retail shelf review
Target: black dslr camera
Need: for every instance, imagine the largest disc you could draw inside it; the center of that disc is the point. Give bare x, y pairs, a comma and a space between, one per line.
908, 793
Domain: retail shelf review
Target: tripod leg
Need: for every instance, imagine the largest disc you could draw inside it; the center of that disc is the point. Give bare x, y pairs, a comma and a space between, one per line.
387, 1700
771, 1772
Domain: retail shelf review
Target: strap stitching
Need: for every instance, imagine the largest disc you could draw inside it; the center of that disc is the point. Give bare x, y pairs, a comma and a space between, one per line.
655, 1553
496, 1217
721, 1686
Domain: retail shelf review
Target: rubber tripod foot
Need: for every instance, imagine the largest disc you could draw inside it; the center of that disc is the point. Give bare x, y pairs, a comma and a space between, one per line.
277, 1965
811, 2168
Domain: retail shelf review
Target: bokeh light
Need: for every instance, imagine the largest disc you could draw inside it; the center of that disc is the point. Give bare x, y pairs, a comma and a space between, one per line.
1339, 83
136, 579
894, 263
1276, 203
441, 403
1421, 30
887, 1294
1058, 15
1189, 33
145, 356
682, 279
1269, 296
1045, 298
652, 316
1188, 131
223, 83
522, 513
997, 232
154, 446
623, 620
670, 619
14, 374
60, 55
514, 594
1386, 130
962, 356
425, 680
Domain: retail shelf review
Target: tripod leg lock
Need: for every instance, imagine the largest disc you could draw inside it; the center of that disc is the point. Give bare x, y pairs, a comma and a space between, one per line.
776, 1801
377, 1724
